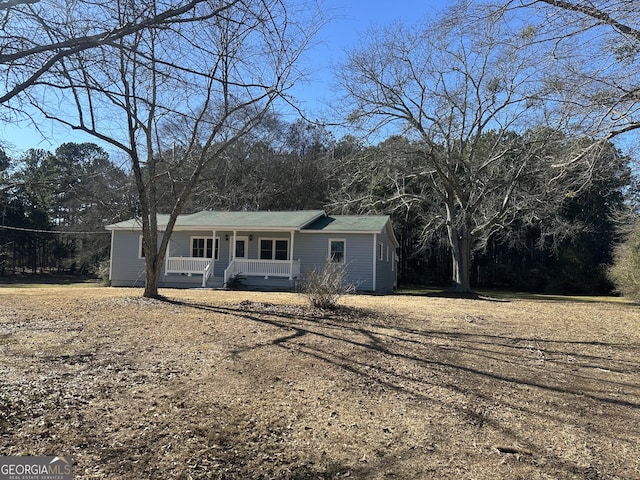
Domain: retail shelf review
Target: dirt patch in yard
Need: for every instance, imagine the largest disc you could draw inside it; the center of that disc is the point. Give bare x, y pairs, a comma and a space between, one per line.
242, 385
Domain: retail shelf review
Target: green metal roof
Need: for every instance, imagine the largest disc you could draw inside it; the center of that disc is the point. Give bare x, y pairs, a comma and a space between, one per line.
353, 224
310, 221
349, 223
205, 220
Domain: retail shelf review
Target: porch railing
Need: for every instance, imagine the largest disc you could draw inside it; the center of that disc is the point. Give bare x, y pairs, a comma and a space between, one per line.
262, 268
186, 265
207, 273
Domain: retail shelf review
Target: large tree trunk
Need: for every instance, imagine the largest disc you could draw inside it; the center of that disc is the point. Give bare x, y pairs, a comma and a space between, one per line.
152, 270
460, 243
152, 276
151, 281
156, 253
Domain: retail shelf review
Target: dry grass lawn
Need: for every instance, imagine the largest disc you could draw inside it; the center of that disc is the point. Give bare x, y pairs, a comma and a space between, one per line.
244, 385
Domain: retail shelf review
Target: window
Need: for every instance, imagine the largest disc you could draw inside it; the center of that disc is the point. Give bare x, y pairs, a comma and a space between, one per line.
380, 251
274, 249
337, 250
141, 247
202, 247
266, 249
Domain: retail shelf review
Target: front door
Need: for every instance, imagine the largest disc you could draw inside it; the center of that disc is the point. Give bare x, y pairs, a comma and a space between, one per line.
242, 247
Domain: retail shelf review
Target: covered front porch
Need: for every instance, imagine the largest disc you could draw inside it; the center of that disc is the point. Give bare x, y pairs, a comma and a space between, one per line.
263, 255
239, 267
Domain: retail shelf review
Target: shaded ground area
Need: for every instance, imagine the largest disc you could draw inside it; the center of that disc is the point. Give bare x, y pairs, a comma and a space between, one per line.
53, 279
241, 385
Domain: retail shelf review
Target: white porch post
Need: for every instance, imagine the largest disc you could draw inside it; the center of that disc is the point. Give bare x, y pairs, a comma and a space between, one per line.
291, 256
166, 258
213, 248
233, 246
208, 271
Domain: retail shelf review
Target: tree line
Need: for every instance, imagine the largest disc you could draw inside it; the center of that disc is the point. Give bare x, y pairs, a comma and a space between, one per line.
76, 190
54, 206
498, 166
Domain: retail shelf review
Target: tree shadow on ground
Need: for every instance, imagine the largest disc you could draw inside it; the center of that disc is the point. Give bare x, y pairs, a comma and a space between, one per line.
481, 372
47, 279
455, 295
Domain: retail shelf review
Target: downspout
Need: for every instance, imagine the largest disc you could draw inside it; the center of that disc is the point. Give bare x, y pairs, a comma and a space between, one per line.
111, 257
375, 260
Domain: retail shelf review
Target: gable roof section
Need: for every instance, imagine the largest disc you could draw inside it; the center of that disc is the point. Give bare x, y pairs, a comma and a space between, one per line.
349, 223
353, 224
205, 220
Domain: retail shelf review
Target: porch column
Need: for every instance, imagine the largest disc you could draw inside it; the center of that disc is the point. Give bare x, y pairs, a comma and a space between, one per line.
233, 246
167, 254
213, 248
291, 256
208, 271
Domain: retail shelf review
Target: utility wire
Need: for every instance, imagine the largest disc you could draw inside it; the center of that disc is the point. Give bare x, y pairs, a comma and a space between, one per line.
55, 232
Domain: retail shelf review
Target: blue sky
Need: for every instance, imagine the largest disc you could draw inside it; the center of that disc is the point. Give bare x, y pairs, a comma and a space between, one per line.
351, 18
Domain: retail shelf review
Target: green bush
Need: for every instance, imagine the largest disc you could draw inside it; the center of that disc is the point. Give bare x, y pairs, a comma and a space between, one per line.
236, 282
324, 287
625, 271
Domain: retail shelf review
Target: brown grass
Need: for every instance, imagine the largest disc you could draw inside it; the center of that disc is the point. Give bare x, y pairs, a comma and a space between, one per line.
241, 385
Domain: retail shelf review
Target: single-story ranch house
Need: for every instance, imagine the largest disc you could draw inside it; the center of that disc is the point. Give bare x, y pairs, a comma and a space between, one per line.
267, 250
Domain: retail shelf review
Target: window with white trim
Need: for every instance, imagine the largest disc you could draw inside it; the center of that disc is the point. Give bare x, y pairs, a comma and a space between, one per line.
140, 246
380, 251
202, 247
337, 250
274, 249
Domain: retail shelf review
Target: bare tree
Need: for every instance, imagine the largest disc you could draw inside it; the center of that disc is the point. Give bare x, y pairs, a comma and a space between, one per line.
38, 35
472, 98
606, 63
596, 46
211, 73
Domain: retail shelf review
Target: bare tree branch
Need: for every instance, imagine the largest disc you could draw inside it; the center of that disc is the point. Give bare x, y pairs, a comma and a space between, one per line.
14, 3
597, 14
58, 50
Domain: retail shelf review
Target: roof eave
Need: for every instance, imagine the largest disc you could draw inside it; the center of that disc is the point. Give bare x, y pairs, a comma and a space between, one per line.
241, 228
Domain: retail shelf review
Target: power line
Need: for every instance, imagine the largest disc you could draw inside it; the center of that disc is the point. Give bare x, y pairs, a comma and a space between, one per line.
54, 232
